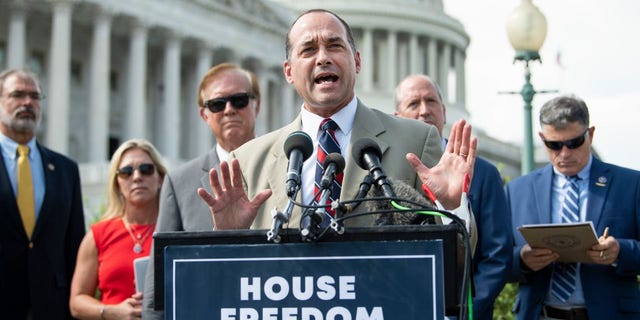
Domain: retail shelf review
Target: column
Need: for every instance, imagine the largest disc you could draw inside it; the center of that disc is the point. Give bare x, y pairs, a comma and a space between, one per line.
415, 54
392, 59
170, 134
136, 123
57, 137
461, 90
366, 71
262, 122
100, 87
432, 58
204, 135
16, 46
288, 102
444, 67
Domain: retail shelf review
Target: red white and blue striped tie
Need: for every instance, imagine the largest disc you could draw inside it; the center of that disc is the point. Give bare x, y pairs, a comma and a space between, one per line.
327, 143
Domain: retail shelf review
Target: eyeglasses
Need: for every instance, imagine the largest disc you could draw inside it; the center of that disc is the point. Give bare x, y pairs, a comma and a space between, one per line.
238, 101
571, 143
19, 95
145, 169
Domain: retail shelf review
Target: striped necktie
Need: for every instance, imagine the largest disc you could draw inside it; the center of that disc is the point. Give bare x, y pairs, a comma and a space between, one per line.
26, 202
327, 143
563, 281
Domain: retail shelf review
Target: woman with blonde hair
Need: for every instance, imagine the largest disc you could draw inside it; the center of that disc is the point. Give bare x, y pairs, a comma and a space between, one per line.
106, 254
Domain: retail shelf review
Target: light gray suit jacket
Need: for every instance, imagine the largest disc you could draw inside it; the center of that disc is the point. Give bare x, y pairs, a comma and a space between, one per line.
264, 163
181, 209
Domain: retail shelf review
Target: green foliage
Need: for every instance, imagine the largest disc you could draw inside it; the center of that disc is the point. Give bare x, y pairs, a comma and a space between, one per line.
504, 303
93, 214
505, 179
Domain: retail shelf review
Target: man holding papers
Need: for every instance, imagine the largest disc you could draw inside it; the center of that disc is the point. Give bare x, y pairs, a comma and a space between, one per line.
576, 187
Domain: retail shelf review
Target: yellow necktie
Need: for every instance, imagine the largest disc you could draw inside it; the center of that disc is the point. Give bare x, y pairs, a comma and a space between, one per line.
26, 203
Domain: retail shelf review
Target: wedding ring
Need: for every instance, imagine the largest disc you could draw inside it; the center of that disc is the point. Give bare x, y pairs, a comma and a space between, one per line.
601, 253
463, 155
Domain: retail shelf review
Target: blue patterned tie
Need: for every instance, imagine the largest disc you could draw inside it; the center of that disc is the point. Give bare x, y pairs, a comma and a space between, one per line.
563, 281
327, 144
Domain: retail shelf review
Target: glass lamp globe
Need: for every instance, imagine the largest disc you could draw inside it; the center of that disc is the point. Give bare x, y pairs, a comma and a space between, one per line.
526, 28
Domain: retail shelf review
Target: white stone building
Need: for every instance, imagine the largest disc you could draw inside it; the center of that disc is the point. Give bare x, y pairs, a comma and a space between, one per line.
117, 69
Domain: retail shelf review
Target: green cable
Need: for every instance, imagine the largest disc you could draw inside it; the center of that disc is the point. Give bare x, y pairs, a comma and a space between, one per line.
435, 213
431, 213
470, 304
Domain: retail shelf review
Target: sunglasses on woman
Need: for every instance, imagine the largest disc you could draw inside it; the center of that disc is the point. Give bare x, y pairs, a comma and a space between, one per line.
238, 101
571, 143
145, 169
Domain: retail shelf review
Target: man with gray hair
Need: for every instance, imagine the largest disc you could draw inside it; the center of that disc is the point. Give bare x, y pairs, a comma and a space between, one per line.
418, 97
41, 214
576, 187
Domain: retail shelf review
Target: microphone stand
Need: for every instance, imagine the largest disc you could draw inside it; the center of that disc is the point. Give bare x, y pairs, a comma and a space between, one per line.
313, 220
336, 223
341, 209
279, 218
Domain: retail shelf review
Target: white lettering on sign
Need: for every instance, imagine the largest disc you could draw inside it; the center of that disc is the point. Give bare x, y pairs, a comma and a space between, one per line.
278, 288
306, 313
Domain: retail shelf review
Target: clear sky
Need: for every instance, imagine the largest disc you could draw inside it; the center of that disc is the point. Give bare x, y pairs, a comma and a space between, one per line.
589, 51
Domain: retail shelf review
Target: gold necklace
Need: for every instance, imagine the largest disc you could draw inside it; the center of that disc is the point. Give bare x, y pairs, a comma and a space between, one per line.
139, 240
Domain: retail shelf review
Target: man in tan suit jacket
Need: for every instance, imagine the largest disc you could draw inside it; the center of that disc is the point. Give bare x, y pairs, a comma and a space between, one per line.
322, 63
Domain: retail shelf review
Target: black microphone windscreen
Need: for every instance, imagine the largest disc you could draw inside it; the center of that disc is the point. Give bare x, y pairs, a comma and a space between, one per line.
336, 158
362, 146
299, 140
402, 191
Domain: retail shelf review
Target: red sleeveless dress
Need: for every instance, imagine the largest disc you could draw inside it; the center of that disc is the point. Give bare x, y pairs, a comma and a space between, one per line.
115, 257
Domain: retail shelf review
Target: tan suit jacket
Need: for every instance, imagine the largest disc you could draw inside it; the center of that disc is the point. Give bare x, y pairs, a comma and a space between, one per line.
264, 163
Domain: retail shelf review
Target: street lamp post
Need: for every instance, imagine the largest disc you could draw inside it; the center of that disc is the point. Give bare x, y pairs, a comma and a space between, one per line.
527, 30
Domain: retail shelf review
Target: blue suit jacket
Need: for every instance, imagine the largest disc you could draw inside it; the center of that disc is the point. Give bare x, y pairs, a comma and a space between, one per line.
37, 276
610, 292
492, 259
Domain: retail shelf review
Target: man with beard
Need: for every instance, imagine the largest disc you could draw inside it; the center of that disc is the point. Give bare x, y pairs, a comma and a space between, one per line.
41, 214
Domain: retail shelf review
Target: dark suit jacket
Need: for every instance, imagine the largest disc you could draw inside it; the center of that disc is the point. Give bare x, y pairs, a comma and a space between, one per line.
610, 292
181, 209
492, 259
37, 276
264, 162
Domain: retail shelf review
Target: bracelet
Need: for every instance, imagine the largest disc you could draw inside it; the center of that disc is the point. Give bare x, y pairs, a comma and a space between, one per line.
102, 312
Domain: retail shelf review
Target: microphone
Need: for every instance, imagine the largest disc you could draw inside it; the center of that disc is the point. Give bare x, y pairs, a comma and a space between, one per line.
367, 154
312, 219
298, 147
403, 192
333, 166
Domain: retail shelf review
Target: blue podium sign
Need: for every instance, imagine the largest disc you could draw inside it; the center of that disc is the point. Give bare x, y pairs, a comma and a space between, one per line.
306, 281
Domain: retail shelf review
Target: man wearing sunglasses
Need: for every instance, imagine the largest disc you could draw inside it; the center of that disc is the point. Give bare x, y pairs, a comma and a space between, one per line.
576, 185
41, 212
228, 102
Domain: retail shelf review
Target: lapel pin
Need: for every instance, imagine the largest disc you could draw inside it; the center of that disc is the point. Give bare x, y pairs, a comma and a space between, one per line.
602, 181
51, 167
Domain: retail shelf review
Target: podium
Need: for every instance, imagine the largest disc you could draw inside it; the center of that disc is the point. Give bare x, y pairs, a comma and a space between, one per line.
365, 273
